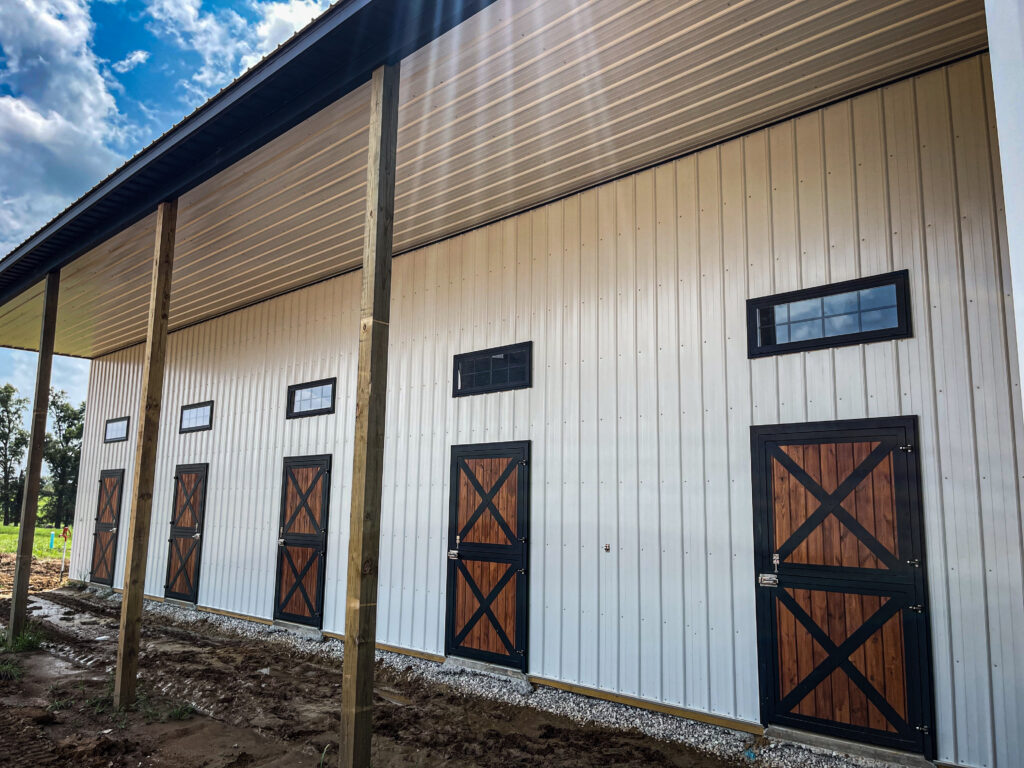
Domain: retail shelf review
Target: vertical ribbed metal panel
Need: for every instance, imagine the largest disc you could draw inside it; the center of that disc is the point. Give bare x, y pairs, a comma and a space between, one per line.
633, 295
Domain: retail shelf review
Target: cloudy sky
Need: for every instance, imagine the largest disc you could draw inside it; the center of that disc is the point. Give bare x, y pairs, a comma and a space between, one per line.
85, 85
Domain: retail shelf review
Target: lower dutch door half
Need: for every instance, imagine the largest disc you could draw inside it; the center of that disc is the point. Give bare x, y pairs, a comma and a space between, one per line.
487, 568
842, 625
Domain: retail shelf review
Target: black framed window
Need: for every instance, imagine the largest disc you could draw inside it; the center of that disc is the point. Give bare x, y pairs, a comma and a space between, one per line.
493, 370
852, 312
196, 417
116, 430
312, 398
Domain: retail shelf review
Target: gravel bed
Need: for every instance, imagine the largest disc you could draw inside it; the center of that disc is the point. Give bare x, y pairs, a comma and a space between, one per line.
722, 742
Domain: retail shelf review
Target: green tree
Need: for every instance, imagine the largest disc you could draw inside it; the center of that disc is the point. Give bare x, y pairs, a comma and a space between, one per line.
61, 451
13, 442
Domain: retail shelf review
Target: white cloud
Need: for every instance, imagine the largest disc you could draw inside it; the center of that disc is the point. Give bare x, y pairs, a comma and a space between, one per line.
278, 21
131, 61
227, 43
60, 128
59, 123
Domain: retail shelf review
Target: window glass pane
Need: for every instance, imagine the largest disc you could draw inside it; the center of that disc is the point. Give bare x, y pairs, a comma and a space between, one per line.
848, 315
116, 430
840, 324
315, 397
809, 329
195, 416
804, 310
492, 370
878, 319
882, 296
841, 303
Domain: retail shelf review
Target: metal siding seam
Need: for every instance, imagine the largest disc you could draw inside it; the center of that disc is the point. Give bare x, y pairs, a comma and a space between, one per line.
647, 427
917, 366
742, 640
1010, 362
669, 489
990, 390
628, 626
953, 384
590, 533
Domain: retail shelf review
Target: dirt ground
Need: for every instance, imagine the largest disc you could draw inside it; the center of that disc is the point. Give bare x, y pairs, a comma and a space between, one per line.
45, 574
270, 706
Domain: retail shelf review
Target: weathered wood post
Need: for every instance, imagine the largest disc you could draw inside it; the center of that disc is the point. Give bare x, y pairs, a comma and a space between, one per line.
368, 458
30, 495
145, 457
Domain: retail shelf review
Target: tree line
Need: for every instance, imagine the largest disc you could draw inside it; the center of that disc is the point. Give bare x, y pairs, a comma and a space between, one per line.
62, 448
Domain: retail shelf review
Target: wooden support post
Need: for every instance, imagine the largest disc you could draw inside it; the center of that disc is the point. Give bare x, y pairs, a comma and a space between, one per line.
30, 495
368, 456
145, 457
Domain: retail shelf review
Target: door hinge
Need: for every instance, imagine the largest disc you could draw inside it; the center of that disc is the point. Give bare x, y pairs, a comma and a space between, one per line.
520, 652
521, 570
922, 728
916, 608
523, 462
915, 563
905, 448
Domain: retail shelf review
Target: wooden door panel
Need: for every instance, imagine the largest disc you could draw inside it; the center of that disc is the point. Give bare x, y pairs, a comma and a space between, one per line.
188, 512
843, 639
302, 542
486, 617
108, 517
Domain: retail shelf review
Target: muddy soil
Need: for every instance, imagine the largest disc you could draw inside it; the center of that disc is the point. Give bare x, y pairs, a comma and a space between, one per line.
45, 574
263, 703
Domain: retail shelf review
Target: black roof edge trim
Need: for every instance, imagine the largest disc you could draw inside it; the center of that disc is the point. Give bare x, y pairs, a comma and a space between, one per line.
442, 15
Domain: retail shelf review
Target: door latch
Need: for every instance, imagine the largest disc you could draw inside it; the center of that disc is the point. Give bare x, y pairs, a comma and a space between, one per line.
905, 448
916, 608
280, 542
196, 535
768, 580
453, 554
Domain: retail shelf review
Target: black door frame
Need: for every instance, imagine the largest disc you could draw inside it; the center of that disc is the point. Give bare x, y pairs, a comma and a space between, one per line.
909, 585
304, 540
491, 552
119, 474
179, 532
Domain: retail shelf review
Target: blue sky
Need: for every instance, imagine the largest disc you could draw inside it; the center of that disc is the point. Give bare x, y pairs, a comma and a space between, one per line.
85, 85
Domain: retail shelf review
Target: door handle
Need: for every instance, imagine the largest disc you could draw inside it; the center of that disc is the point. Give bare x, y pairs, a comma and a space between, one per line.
114, 529
196, 535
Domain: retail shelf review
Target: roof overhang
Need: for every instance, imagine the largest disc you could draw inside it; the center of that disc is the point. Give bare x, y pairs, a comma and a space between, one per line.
522, 103
327, 59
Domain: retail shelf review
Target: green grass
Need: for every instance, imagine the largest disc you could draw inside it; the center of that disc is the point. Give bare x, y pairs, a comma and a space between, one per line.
29, 640
10, 668
41, 545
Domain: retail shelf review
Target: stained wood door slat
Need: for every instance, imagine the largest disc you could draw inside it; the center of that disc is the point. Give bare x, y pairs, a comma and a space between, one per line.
108, 516
302, 540
486, 614
844, 644
188, 512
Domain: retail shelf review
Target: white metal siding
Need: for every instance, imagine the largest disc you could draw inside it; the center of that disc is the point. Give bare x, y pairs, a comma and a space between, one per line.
633, 295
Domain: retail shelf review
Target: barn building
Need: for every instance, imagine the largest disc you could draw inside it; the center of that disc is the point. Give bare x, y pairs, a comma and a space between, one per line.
703, 386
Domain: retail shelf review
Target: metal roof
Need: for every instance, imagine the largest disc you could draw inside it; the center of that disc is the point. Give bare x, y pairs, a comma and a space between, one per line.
328, 58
